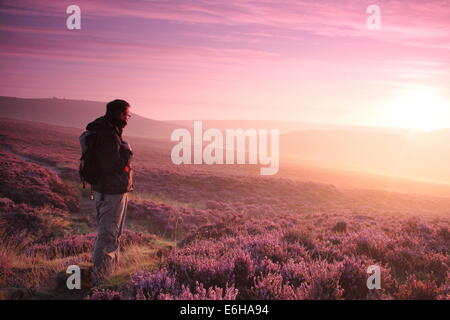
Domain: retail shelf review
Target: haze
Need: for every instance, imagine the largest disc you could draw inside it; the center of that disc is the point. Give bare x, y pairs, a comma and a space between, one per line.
300, 61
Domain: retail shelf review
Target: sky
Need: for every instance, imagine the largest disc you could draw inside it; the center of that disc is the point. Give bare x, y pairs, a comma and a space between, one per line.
296, 60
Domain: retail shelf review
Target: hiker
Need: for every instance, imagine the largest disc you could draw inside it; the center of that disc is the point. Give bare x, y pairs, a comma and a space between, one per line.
112, 159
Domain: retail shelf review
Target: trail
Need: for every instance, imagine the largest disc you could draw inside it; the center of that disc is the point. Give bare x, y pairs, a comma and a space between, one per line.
83, 221
29, 159
86, 206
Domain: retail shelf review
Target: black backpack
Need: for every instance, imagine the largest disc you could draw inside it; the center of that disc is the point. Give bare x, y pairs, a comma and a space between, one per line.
89, 169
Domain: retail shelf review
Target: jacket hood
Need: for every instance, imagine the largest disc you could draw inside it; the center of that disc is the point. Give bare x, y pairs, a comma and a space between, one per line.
97, 124
101, 124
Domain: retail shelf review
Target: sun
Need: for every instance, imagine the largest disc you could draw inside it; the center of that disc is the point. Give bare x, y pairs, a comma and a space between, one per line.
420, 108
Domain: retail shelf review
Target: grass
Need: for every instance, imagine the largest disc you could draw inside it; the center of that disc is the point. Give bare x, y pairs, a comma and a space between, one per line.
38, 272
78, 227
136, 258
144, 225
140, 197
41, 274
132, 260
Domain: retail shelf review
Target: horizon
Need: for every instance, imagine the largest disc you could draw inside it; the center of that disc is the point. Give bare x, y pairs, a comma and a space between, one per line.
258, 120
312, 62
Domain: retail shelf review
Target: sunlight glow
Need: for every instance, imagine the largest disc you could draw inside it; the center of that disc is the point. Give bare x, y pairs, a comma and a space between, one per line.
421, 108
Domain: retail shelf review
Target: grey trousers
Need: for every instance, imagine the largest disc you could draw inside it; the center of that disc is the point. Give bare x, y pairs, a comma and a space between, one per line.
110, 218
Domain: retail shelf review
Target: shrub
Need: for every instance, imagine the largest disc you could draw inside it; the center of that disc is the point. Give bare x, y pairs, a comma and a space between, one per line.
299, 236
212, 271
201, 293
265, 246
322, 282
22, 225
163, 286
104, 294
29, 183
353, 278
340, 226
414, 289
5, 268
273, 287
244, 272
149, 286
76, 244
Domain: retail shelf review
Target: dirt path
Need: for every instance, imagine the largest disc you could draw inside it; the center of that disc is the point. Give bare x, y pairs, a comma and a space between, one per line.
30, 159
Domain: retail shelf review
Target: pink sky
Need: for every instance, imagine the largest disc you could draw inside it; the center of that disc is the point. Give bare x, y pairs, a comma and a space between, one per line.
286, 60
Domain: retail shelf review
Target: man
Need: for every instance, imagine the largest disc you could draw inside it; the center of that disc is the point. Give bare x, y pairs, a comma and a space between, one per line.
113, 156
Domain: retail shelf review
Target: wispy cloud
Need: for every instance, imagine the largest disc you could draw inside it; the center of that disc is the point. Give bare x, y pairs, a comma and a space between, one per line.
206, 50
413, 20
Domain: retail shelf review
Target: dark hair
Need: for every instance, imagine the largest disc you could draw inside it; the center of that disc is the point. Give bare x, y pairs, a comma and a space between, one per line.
116, 107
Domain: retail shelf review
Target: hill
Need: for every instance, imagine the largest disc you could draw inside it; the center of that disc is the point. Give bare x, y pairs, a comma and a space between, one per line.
209, 232
77, 114
283, 126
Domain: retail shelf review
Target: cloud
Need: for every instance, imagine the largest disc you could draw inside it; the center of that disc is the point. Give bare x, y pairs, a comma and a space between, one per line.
423, 22
250, 52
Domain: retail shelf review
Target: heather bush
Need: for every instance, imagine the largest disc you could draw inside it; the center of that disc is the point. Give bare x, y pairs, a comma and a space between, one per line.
145, 285
322, 282
372, 245
299, 264
266, 266
21, 225
63, 247
267, 245
164, 286
297, 252
414, 289
209, 231
6, 204
444, 233
299, 236
104, 294
5, 267
295, 272
176, 223
405, 261
201, 293
340, 226
211, 270
75, 244
416, 227
244, 273
217, 189
353, 278
29, 183
273, 287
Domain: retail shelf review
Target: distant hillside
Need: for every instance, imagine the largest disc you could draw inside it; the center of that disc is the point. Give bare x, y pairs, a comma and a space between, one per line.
386, 151
58, 146
424, 156
77, 113
283, 126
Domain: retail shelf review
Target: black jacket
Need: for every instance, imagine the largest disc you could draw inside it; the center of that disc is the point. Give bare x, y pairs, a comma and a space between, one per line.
113, 156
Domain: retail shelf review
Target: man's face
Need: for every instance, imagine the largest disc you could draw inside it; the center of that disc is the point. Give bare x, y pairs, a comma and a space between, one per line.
124, 116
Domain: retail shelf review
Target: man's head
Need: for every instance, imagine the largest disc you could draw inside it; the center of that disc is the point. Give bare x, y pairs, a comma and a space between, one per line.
118, 112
